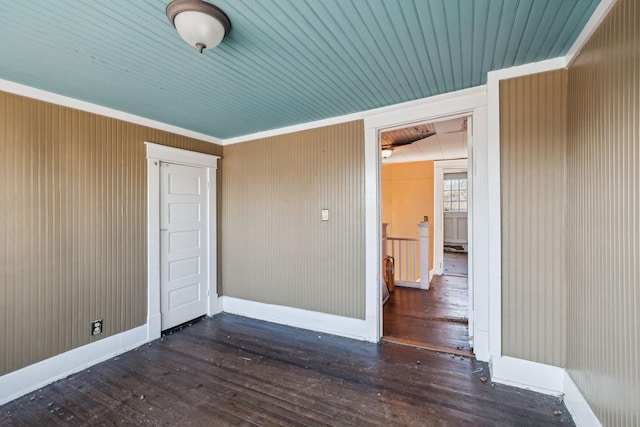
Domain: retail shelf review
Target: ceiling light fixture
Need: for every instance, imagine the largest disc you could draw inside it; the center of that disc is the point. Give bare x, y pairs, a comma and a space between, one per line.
199, 23
386, 153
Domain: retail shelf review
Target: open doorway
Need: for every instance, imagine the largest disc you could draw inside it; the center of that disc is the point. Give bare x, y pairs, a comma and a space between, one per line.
423, 188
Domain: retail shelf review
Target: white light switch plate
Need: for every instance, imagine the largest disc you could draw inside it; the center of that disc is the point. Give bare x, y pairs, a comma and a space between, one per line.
325, 214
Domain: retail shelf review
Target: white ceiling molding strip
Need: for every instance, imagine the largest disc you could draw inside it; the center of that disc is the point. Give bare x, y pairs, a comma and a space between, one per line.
356, 116
65, 101
592, 24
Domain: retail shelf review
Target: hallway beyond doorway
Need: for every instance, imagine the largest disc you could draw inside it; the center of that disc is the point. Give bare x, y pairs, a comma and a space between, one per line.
455, 264
436, 318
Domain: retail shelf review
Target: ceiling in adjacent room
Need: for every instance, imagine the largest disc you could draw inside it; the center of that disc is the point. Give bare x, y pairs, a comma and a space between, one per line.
285, 62
447, 143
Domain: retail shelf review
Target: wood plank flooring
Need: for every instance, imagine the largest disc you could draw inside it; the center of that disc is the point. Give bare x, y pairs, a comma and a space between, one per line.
230, 370
436, 318
455, 264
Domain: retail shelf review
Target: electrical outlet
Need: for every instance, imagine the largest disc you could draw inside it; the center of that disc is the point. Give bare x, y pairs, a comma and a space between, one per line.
96, 327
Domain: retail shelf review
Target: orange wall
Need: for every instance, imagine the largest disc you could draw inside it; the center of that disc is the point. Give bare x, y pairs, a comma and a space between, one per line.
407, 196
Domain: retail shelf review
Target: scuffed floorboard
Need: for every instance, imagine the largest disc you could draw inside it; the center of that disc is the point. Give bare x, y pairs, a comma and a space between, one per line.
230, 370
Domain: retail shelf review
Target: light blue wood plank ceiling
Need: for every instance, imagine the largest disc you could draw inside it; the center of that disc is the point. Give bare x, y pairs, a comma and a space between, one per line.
285, 62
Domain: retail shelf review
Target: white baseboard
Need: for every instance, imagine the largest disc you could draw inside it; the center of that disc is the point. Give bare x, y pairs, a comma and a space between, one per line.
432, 273
154, 326
526, 374
544, 379
416, 285
296, 317
577, 405
504, 370
33, 377
30, 378
481, 345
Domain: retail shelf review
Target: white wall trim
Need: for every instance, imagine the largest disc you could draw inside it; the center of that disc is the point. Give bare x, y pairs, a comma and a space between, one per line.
54, 98
494, 249
299, 318
33, 377
351, 117
373, 235
154, 319
157, 153
183, 157
545, 379
577, 405
592, 25
525, 69
526, 374
294, 128
435, 108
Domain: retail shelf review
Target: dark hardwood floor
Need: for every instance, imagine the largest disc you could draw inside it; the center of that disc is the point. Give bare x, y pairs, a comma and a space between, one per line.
436, 318
230, 370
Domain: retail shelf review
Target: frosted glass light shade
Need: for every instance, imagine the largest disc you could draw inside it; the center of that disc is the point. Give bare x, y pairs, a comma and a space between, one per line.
197, 27
199, 23
386, 153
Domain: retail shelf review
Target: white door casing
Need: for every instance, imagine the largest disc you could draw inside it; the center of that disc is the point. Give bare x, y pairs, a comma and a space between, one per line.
156, 154
183, 243
455, 223
471, 248
441, 167
471, 103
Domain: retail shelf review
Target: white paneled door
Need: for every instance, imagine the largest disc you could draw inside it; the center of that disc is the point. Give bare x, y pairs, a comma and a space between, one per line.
455, 228
183, 243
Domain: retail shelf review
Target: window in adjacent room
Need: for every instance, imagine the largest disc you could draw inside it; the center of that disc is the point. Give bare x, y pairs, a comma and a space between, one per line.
455, 194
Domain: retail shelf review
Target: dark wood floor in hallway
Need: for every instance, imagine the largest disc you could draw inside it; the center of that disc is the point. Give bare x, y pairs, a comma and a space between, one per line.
230, 370
436, 318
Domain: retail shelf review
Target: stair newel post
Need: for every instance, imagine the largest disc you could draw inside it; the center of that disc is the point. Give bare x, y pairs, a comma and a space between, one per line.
384, 240
424, 254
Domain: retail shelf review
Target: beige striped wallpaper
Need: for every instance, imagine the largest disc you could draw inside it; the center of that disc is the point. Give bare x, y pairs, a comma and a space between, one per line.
275, 248
72, 226
603, 218
532, 139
